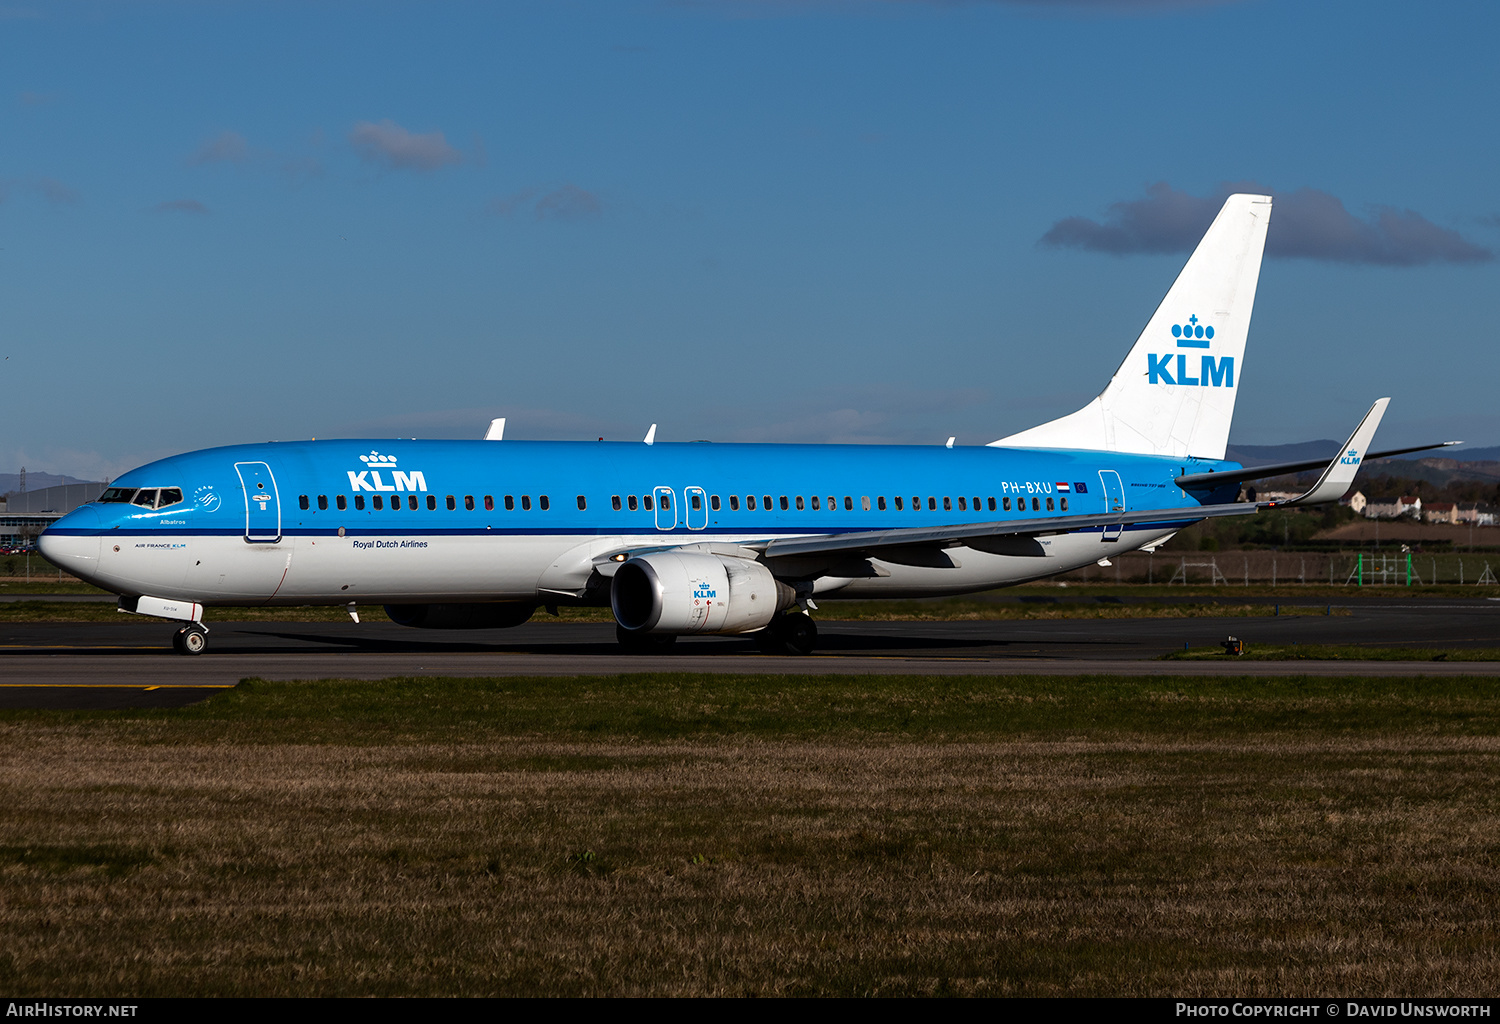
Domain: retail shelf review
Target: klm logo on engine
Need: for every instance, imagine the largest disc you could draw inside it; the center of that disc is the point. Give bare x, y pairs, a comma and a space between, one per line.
704, 592
1211, 372
371, 480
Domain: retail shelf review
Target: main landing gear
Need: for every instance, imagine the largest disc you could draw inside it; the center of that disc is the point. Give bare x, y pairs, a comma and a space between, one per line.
792, 633
191, 639
644, 643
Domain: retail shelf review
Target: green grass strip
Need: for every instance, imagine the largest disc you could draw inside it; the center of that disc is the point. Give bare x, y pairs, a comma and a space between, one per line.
680, 705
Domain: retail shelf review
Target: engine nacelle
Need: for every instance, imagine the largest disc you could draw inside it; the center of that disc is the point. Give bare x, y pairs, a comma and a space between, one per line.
690, 592
494, 615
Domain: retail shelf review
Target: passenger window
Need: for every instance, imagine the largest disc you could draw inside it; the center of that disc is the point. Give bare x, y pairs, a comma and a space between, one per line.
947, 504
783, 503
713, 502
322, 503
525, 503
302, 502
510, 503
916, 503
544, 503
864, 503
666, 502
734, 503
646, 502
395, 504
489, 503
800, 506
976, 503
816, 506
931, 504
377, 503
341, 502
1036, 504
992, 504
632, 502
767, 504
848, 503
359, 502
582, 503
469, 502
1007, 504
963, 505
697, 500
880, 503
452, 503
169, 496
899, 506
1064, 504
432, 502
1049, 505
411, 502
614, 502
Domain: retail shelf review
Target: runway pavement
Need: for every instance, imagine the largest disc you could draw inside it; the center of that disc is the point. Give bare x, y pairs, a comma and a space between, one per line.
131, 663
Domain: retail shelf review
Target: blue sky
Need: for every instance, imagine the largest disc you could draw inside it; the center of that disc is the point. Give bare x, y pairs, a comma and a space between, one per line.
840, 221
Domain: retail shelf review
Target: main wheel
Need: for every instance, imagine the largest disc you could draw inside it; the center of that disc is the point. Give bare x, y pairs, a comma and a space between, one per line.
190, 640
644, 643
799, 633
794, 633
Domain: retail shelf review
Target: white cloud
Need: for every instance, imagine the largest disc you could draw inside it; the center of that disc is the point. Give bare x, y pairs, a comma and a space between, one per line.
392, 146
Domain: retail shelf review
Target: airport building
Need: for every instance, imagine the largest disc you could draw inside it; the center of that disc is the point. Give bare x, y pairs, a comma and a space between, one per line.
24, 514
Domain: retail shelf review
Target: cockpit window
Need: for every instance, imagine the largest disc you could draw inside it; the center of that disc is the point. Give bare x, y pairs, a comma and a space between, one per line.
117, 494
145, 497
169, 496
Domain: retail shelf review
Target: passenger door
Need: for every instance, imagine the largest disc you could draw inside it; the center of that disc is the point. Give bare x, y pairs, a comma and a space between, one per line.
1114, 501
262, 503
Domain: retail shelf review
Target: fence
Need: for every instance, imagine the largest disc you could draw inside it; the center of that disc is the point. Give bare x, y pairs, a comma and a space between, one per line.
1278, 568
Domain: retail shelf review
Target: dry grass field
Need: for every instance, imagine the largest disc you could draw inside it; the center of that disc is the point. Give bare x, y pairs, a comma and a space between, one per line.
687, 835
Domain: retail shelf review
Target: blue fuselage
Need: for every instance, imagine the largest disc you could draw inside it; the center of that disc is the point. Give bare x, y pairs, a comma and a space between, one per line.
392, 520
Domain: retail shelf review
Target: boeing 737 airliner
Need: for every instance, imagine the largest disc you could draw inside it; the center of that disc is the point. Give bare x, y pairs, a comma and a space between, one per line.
702, 538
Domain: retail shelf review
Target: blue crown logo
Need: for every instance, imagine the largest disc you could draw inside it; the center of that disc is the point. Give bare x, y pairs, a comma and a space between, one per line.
1192, 334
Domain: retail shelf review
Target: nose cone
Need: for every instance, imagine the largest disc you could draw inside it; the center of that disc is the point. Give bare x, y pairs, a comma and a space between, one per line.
72, 543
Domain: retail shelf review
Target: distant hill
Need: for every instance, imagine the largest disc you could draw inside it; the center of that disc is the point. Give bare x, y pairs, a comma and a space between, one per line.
36, 481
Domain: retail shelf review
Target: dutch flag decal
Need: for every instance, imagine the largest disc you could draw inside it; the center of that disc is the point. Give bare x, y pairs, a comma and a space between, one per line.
1061, 486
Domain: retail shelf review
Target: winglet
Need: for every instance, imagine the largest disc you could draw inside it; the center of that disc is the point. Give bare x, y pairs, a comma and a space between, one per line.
1340, 472
496, 431
651, 435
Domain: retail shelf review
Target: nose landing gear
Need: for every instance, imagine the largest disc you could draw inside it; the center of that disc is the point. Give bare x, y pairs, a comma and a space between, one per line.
191, 639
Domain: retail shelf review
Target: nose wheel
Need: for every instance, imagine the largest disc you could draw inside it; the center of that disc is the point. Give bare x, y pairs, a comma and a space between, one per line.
190, 640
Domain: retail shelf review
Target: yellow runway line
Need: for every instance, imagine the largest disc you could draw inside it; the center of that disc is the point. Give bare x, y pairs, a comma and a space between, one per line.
112, 686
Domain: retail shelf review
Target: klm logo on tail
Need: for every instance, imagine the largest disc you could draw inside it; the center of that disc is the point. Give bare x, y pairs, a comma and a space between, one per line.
1212, 373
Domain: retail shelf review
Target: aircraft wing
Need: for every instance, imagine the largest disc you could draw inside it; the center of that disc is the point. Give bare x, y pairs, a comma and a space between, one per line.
872, 542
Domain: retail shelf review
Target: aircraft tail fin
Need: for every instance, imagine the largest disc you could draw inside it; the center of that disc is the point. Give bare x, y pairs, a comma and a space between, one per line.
1174, 394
